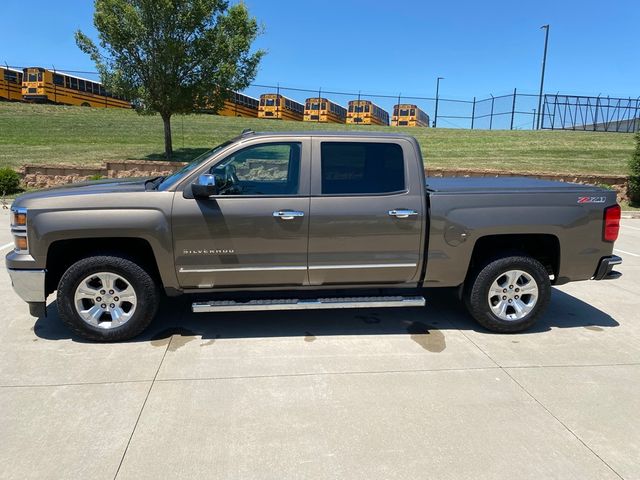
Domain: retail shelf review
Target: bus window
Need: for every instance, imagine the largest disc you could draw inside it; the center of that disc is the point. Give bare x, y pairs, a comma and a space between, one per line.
58, 80
33, 77
74, 83
366, 108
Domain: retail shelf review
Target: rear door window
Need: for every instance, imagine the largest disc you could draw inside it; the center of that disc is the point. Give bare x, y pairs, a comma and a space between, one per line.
352, 168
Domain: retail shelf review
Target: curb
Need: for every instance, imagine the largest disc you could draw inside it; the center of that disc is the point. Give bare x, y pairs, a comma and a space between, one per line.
630, 214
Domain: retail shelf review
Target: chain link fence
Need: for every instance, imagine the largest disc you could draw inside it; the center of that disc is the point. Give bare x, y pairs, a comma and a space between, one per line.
513, 111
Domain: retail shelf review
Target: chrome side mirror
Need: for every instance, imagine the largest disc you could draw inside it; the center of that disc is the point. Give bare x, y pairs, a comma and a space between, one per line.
205, 187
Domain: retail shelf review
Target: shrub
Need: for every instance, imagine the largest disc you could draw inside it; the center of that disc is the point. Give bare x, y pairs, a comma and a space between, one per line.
9, 181
634, 177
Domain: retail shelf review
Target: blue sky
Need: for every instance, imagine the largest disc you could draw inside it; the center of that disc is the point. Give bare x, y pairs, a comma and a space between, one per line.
480, 47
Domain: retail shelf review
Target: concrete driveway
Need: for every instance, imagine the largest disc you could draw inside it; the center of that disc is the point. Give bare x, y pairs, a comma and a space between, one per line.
406, 393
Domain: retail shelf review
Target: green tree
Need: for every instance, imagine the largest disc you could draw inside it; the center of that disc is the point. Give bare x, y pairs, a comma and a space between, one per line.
634, 177
173, 56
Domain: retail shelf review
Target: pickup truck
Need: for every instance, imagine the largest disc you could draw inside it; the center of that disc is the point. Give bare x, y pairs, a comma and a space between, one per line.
306, 221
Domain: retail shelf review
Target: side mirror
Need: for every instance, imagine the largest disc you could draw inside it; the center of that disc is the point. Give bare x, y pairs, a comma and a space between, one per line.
205, 186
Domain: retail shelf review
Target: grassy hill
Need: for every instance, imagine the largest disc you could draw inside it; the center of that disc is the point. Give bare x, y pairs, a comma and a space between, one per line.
77, 135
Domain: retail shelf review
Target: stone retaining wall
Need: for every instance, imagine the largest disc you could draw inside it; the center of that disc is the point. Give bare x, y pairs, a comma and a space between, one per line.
42, 176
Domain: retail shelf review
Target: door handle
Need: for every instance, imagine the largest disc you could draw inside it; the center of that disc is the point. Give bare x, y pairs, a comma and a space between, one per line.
288, 214
402, 213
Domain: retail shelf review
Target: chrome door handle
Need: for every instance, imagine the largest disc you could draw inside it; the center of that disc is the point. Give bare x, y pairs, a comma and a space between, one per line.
402, 213
288, 214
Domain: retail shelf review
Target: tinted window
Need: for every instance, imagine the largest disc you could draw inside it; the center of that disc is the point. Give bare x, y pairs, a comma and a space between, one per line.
355, 168
58, 80
268, 169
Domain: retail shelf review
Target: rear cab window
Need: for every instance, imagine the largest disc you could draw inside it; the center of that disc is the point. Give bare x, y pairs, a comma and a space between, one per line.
356, 168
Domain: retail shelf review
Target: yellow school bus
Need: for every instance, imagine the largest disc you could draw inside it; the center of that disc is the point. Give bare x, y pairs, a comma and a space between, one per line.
318, 109
273, 105
239, 105
365, 112
10, 84
408, 115
40, 85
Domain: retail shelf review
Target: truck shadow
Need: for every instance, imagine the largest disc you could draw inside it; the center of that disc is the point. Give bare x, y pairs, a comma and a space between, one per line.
443, 312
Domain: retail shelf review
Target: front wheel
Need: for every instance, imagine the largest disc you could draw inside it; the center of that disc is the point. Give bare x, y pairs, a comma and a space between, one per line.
509, 294
107, 298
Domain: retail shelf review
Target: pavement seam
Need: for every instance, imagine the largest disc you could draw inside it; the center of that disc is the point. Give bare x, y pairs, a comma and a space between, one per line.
144, 403
530, 395
563, 424
318, 374
73, 384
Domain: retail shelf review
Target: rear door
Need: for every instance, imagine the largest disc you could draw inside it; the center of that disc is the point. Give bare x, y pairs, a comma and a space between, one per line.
367, 212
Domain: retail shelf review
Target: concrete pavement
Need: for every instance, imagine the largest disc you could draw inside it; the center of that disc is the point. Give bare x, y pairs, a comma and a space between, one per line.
401, 393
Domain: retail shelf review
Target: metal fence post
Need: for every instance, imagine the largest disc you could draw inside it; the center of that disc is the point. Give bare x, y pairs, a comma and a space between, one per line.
473, 112
513, 107
491, 116
533, 123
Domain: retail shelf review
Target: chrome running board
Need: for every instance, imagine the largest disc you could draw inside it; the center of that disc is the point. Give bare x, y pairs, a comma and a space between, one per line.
307, 304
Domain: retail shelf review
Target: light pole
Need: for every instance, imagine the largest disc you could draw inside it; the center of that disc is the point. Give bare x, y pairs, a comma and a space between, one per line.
435, 120
544, 65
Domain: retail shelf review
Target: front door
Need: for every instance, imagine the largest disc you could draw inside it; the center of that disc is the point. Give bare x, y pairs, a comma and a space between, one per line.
255, 231
367, 213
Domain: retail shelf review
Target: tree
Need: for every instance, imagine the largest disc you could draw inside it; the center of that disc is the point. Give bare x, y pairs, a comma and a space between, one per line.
634, 167
173, 56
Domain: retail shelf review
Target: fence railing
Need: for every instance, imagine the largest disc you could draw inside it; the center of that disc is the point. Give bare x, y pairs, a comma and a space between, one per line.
513, 111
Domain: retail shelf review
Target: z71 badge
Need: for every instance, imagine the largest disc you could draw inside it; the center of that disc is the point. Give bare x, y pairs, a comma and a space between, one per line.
592, 199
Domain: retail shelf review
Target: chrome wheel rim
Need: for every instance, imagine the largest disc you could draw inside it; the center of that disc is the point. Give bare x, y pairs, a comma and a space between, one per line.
105, 300
513, 295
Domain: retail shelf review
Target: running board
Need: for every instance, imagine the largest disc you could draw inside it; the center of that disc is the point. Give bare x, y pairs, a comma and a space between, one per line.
307, 304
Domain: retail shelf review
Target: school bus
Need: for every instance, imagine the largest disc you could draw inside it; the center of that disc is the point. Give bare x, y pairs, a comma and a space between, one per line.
365, 112
10, 84
239, 105
40, 85
408, 115
273, 105
318, 109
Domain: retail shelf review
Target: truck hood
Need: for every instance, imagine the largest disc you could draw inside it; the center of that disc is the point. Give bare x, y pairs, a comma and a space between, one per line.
116, 186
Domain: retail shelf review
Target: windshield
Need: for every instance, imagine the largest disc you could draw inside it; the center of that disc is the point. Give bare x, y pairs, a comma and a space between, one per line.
195, 163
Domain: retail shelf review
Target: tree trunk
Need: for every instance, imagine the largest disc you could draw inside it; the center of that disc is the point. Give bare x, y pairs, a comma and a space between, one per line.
168, 148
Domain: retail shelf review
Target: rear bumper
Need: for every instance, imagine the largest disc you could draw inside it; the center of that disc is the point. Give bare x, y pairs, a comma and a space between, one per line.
28, 284
605, 268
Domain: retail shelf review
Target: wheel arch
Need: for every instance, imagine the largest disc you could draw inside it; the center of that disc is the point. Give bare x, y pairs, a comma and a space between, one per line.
545, 248
62, 254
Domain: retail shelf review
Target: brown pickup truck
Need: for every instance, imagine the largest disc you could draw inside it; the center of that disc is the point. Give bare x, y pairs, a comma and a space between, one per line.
305, 221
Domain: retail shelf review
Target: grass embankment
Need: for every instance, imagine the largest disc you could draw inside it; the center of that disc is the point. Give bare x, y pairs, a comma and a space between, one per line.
77, 135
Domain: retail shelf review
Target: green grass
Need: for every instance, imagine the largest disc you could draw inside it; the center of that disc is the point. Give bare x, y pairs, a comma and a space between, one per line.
77, 135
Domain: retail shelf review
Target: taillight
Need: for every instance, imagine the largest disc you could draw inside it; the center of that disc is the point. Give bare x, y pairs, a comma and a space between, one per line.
611, 223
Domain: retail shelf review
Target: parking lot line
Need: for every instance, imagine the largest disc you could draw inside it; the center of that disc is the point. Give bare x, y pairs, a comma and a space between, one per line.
7, 245
632, 228
625, 252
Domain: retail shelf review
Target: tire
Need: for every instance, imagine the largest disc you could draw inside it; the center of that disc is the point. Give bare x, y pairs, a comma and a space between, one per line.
505, 301
90, 288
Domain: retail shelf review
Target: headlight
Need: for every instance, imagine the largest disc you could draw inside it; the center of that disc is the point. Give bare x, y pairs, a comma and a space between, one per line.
19, 229
19, 217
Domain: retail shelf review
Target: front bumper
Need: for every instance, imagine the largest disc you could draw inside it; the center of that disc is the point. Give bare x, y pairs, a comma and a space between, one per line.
29, 284
605, 268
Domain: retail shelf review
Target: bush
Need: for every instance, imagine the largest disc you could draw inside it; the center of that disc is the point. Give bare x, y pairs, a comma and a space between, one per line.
634, 177
9, 181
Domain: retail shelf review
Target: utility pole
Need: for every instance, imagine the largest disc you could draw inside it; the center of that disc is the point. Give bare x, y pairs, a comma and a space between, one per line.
435, 120
544, 65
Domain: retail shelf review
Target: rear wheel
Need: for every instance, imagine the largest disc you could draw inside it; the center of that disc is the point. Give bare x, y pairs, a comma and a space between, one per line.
107, 298
509, 294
